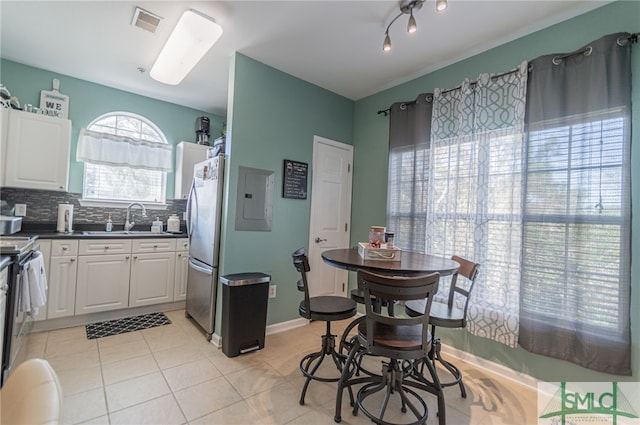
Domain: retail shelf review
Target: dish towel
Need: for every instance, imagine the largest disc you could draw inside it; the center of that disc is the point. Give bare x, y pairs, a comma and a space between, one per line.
34, 289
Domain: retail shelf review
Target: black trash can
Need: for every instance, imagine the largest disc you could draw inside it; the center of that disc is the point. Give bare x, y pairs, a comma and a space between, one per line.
244, 312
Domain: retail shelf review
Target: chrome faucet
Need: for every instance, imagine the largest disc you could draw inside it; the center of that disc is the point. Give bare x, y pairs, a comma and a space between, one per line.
128, 225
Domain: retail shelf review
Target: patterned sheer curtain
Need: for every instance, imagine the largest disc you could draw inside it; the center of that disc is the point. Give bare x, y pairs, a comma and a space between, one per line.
575, 290
475, 193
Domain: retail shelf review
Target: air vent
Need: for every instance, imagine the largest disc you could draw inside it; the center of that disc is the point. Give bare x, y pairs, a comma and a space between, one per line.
145, 20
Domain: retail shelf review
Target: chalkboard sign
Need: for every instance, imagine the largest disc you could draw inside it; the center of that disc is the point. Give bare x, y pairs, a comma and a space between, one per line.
294, 183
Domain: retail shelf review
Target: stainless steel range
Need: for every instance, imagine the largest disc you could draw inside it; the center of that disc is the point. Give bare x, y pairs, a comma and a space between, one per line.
16, 245
18, 323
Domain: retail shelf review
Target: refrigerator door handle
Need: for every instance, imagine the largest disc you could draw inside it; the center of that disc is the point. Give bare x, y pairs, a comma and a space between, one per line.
193, 196
206, 270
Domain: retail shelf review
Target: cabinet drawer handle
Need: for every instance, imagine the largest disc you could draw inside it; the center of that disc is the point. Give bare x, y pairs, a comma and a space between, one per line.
179, 255
155, 246
135, 257
72, 259
106, 247
126, 257
64, 248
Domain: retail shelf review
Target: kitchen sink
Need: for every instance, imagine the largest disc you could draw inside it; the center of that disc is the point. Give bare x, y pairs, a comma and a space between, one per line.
121, 233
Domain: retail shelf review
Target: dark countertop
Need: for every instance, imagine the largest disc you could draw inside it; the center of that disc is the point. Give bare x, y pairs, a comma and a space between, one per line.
47, 231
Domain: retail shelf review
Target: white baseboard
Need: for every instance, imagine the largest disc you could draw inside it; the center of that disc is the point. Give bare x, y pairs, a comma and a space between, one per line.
216, 340
285, 326
495, 368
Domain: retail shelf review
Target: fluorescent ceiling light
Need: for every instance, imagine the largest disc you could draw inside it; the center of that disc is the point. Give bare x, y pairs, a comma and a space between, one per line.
192, 37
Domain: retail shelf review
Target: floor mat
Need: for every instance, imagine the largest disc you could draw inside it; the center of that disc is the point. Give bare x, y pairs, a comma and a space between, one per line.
129, 324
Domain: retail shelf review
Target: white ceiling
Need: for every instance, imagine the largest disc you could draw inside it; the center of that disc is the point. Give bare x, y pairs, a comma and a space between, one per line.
336, 45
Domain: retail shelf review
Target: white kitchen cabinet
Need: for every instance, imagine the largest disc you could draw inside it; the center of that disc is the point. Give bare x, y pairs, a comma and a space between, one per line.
4, 288
63, 266
152, 278
182, 266
37, 154
94, 275
45, 250
103, 275
152, 271
187, 155
4, 136
103, 283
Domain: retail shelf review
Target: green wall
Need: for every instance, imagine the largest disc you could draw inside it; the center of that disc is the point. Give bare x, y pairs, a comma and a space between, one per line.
371, 146
274, 116
88, 101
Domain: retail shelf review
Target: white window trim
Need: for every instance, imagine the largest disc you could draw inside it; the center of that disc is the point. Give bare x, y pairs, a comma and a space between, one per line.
120, 204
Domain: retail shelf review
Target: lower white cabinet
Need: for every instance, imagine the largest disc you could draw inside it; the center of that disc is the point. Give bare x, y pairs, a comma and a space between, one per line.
92, 275
152, 278
152, 271
62, 274
45, 250
182, 267
103, 283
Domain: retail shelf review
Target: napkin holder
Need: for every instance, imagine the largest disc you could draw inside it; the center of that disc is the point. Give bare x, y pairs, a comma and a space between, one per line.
368, 252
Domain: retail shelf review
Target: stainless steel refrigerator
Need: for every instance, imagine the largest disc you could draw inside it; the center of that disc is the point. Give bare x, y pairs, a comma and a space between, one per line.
203, 226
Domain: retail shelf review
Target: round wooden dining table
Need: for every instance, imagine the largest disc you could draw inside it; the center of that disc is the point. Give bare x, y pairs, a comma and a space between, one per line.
410, 264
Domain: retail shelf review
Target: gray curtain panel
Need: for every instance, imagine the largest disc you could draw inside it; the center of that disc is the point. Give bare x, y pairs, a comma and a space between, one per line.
575, 287
409, 132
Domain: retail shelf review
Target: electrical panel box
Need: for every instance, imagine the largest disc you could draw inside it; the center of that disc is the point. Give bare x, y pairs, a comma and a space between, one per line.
254, 204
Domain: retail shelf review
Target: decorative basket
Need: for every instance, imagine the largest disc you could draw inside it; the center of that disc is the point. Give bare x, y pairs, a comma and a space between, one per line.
381, 254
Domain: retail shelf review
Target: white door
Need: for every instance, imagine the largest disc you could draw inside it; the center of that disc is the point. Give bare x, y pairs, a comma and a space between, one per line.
330, 213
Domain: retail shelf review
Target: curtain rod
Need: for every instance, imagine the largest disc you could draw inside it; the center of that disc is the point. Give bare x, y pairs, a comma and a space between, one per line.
502, 74
621, 41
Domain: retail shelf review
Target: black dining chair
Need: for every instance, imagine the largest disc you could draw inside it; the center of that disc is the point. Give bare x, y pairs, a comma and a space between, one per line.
453, 314
321, 308
404, 341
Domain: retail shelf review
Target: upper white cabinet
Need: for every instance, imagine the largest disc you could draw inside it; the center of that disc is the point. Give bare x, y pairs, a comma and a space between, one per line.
37, 155
4, 136
187, 155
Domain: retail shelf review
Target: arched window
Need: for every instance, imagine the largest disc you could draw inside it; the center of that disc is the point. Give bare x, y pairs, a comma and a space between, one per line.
104, 182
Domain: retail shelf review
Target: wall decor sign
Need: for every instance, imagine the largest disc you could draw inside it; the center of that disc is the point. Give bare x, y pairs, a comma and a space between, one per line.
54, 103
294, 182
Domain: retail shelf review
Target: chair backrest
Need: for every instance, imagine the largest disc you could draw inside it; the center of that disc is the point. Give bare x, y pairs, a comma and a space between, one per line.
32, 395
301, 263
468, 269
378, 287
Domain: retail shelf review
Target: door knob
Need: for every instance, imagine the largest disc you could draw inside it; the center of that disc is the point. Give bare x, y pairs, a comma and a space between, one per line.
318, 240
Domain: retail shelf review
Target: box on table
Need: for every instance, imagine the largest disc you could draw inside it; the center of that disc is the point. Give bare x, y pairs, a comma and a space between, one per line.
385, 254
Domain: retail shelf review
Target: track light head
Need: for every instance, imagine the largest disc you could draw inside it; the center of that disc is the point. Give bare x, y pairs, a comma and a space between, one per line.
387, 43
407, 7
412, 26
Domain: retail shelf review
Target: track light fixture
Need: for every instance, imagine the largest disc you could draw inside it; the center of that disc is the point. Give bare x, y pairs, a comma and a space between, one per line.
407, 7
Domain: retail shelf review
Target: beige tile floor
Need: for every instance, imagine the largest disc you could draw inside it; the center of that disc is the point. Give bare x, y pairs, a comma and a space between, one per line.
172, 375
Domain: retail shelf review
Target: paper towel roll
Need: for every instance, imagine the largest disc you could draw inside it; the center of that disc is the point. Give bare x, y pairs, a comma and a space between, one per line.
65, 218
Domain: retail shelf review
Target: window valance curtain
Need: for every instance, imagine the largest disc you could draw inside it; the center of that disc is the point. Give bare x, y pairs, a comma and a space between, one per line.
109, 149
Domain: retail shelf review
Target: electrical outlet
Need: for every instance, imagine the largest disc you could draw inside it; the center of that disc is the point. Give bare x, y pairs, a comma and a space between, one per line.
21, 210
272, 291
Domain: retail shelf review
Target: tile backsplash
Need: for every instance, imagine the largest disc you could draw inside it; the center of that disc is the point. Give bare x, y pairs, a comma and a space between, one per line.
42, 208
